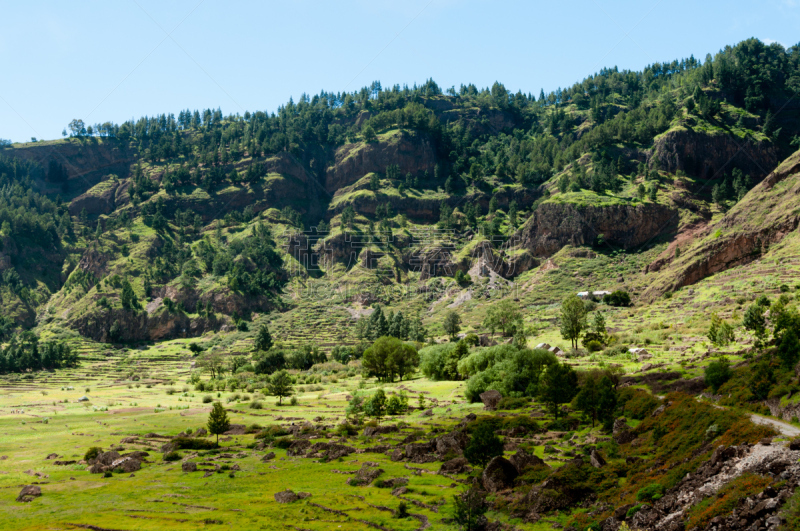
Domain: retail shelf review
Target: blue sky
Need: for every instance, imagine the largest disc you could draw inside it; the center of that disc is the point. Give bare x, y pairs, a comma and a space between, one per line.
102, 61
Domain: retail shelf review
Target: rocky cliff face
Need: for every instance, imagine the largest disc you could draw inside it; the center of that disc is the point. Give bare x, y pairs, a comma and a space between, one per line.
412, 152
86, 162
712, 155
555, 225
763, 217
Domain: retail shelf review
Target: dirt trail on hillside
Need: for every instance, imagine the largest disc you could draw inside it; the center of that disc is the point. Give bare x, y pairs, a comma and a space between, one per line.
783, 427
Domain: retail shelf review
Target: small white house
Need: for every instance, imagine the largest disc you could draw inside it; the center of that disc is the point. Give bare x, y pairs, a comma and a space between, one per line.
595, 294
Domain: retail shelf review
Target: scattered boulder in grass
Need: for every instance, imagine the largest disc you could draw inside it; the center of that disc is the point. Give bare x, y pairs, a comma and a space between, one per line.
499, 474
620, 513
397, 455
459, 465
399, 491
596, 460
391, 483
286, 496
138, 454
371, 431
454, 442
208, 473
490, 399
364, 476
269, 457
202, 432
469, 418
129, 440
29, 492
297, 447
427, 413
52, 456
83, 399
303, 495
236, 429
622, 433
522, 460
189, 466
126, 464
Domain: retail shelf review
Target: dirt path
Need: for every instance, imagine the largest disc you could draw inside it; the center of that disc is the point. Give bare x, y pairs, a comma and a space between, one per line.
783, 427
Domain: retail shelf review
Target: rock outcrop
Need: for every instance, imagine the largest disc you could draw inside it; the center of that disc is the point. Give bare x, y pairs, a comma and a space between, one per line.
710, 156
761, 219
412, 152
555, 225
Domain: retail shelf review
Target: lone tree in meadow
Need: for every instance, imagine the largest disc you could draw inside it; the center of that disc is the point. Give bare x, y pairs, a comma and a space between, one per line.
389, 357
572, 319
263, 339
280, 385
218, 422
504, 315
452, 324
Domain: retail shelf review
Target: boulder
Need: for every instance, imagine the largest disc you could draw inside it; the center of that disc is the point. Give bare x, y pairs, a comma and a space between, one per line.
297, 447
427, 413
490, 399
52, 456
365, 475
420, 452
596, 460
469, 418
621, 432
459, 465
106, 458
140, 455
335, 451
29, 492
201, 433
452, 442
126, 464
620, 513
397, 454
499, 474
270, 456
189, 466
286, 496
522, 460
371, 431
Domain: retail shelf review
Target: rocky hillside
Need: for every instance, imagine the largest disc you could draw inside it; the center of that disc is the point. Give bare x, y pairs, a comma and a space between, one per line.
762, 218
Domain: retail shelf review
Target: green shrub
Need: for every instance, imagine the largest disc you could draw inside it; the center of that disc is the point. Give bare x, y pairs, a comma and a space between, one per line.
92, 453
650, 493
107, 474
345, 429
283, 443
256, 404
717, 373
508, 402
207, 399
193, 443
172, 456
633, 510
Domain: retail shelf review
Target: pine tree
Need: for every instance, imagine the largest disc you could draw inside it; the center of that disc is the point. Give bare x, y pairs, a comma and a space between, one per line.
218, 422
263, 340
280, 385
